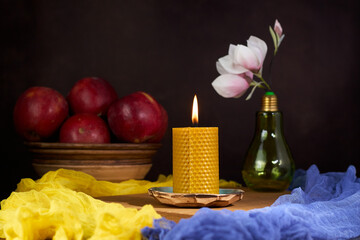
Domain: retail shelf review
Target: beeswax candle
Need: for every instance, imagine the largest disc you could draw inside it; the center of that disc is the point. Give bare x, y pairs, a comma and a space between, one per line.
195, 160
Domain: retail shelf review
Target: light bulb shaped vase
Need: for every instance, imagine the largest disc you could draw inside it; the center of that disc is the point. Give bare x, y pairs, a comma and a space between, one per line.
268, 164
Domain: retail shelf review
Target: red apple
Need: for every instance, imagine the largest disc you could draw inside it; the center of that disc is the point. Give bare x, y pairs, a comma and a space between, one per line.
39, 112
91, 95
84, 128
137, 118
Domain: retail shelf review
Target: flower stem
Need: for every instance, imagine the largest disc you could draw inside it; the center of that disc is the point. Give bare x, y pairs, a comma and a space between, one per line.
270, 67
263, 80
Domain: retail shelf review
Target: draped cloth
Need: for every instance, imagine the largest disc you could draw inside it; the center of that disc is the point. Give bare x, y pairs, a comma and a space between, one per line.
61, 205
323, 206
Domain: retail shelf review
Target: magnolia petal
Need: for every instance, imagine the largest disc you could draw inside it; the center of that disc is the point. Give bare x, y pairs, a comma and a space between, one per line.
220, 68
246, 58
259, 48
257, 42
231, 50
248, 76
226, 65
230, 86
277, 28
281, 39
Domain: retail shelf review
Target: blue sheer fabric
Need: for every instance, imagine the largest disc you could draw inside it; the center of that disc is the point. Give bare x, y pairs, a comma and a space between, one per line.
323, 206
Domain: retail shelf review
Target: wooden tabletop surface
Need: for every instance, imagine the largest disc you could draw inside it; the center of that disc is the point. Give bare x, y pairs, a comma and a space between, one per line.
251, 200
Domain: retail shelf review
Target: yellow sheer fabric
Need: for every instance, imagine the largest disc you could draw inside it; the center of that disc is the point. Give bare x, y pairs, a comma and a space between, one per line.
82, 182
61, 213
60, 205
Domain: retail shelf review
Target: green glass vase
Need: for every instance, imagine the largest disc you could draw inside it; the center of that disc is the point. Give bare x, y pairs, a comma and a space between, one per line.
268, 164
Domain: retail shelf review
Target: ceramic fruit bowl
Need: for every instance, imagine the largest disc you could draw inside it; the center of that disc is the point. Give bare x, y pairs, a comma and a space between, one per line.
113, 162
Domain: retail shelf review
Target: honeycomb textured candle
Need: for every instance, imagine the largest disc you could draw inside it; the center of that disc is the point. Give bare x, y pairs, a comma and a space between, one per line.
196, 160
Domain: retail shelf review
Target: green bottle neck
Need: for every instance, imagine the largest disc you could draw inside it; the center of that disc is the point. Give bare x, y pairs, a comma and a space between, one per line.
271, 122
269, 117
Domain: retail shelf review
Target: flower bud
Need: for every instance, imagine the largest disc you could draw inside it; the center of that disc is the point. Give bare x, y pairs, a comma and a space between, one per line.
277, 28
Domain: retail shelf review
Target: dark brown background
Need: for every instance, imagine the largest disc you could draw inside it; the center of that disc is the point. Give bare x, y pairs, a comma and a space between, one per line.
169, 49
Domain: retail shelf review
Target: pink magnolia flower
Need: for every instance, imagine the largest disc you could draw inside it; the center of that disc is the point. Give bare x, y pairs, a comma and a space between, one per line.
277, 28
241, 59
232, 86
242, 63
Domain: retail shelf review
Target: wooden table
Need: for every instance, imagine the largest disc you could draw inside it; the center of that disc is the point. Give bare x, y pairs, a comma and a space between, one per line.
251, 200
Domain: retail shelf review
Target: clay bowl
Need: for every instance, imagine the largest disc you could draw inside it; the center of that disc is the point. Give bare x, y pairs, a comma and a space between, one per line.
113, 162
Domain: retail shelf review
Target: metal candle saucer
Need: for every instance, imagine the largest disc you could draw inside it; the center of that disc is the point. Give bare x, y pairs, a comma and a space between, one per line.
225, 197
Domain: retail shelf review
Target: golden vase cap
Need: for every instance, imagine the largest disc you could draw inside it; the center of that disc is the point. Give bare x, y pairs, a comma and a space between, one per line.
269, 102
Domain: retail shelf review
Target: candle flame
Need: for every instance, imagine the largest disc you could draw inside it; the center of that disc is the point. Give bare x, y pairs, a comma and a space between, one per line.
195, 111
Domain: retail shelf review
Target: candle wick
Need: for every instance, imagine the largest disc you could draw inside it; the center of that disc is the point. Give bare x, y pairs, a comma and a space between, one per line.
195, 124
